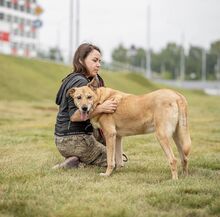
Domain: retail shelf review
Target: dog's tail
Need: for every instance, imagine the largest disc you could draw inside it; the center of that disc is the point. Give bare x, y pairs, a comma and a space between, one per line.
183, 125
183, 112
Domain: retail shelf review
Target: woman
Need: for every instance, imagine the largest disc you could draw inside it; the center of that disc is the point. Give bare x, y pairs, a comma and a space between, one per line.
74, 138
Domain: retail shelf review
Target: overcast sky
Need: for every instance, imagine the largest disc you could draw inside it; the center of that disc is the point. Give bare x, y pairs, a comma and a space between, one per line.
107, 23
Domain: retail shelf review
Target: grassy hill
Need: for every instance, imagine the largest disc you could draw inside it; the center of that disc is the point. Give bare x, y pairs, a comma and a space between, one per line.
28, 186
23, 79
26, 79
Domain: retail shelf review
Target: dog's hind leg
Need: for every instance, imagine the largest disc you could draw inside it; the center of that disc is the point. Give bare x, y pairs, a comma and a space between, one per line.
165, 125
164, 141
183, 142
181, 135
118, 153
183, 155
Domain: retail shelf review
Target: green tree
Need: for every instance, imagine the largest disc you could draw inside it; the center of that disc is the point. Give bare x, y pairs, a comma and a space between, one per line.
170, 57
137, 56
215, 50
119, 54
215, 47
140, 58
194, 63
55, 54
211, 65
156, 62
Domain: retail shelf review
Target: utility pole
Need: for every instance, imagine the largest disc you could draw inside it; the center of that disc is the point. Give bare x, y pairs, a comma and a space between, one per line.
203, 65
148, 54
77, 23
182, 61
58, 37
71, 31
218, 67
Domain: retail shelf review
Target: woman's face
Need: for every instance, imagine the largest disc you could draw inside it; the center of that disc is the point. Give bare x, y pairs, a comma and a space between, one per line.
92, 62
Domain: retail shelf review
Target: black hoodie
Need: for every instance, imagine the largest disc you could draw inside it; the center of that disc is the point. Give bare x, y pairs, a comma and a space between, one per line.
64, 126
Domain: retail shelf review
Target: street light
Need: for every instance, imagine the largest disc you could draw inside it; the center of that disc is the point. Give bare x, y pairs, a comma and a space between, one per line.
148, 54
77, 23
182, 60
203, 65
71, 31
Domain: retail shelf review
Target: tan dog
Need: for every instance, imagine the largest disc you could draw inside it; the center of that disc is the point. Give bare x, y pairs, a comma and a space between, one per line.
162, 111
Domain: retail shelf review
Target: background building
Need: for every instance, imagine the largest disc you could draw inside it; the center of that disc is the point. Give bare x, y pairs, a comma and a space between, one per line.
19, 27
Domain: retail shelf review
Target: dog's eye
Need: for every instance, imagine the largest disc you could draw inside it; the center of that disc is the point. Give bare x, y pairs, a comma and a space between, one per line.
89, 97
79, 97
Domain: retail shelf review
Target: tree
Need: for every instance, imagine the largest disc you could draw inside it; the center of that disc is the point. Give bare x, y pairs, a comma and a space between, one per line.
119, 54
215, 47
55, 54
194, 62
167, 61
215, 50
211, 65
156, 62
140, 58
170, 57
137, 56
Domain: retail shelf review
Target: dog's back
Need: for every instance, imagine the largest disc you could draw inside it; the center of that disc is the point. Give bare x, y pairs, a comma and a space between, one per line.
139, 114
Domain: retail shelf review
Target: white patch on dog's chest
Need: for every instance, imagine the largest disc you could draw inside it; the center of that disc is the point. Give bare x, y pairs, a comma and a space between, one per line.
95, 124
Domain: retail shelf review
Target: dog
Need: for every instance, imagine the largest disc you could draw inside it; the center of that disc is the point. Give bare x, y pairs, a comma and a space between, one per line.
163, 111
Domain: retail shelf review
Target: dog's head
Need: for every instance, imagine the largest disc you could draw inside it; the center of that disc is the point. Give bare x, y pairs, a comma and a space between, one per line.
84, 97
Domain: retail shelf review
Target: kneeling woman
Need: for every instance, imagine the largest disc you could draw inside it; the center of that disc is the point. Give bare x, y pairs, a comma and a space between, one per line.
73, 137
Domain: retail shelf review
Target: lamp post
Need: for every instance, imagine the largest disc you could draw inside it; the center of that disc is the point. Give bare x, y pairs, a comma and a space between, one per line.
182, 60
148, 54
77, 23
71, 31
203, 65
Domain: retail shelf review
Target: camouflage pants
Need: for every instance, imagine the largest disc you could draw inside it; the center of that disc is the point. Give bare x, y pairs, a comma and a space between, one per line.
85, 147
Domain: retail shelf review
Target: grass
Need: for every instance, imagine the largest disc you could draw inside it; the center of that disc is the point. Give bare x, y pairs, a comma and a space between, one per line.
28, 186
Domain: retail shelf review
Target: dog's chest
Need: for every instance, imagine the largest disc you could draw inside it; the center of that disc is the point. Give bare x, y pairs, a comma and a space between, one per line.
95, 123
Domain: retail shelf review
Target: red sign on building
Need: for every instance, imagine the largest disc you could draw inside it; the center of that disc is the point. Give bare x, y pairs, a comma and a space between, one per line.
14, 1
14, 50
21, 27
4, 36
27, 4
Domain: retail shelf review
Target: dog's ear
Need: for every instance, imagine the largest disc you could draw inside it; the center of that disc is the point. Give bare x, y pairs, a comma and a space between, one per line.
70, 91
94, 83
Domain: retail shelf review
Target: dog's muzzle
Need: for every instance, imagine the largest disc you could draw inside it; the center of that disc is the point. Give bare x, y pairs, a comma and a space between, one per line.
84, 112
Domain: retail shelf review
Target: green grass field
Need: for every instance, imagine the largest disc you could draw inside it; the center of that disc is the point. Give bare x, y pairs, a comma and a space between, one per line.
28, 186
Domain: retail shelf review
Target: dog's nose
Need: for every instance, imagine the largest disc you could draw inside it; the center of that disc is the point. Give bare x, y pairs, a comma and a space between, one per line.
85, 108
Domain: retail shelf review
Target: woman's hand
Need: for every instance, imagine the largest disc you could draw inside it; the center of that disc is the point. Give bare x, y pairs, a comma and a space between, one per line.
109, 106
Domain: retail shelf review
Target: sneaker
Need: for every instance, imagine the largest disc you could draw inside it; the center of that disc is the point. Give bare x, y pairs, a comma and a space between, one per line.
71, 162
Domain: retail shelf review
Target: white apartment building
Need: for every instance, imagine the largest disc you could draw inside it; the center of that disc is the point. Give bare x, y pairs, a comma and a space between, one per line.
19, 24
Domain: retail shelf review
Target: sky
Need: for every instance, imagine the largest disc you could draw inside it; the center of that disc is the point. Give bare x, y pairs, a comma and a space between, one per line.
106, 23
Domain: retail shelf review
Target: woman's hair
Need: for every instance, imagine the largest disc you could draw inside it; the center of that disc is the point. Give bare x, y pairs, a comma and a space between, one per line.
79, 58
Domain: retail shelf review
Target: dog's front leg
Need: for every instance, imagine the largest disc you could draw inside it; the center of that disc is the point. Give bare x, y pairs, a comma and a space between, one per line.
118, 153
110, 136
110, 146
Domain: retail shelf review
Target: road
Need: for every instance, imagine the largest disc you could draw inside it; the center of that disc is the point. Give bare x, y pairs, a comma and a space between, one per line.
209, 87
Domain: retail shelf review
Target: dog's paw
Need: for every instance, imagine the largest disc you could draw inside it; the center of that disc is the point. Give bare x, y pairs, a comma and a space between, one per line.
119, 166
104, 174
